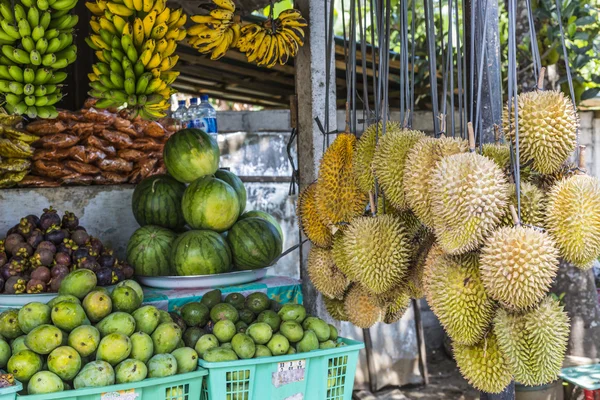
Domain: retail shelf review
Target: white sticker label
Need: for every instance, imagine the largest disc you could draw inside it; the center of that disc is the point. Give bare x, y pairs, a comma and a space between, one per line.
297, 396
288, 372
129, 394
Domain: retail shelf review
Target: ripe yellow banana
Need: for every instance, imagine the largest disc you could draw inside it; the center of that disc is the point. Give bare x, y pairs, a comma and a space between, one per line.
138, 5
159, 6
108, 25
179, 22
94, 8
225, 4
248, 32
268, 56
150, 44
163, 16
301, 22
138, 32
171, 47
289, 14
119, 22
147, 5
128, 3
149, 21
254, 45
236, 29
175, 14
283, 49
95, 25
291, 43
222, 48
294, 34
221, 14
119, 9
203, 19
161, 46
154, 61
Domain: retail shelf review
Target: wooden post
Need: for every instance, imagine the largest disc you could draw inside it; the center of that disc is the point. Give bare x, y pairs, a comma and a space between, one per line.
310, 92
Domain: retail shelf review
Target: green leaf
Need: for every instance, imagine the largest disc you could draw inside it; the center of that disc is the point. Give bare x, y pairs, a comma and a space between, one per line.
587, 20
590, 93
571, 29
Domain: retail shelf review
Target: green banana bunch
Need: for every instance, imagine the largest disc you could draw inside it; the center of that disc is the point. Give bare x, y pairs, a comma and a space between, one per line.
36, 42
135, 42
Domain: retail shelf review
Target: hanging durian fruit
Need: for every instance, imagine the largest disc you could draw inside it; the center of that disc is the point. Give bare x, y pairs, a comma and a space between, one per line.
396, 302
378, 252
335, 308
497, 152
456, 294
308, 218
548, 127
361, 308
573, 219
468, 198
518, 265
535, 342
362, 164
389, 161
340, 259
324, 275
484, 365
338, 197
533, 202
422, 246
420, 162
547, 181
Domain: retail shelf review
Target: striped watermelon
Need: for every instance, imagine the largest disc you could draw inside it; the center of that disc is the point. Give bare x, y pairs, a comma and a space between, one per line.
262, 215
149, 251
255, 243
236, 183
210, 203
200, 253
157, 201
191, 154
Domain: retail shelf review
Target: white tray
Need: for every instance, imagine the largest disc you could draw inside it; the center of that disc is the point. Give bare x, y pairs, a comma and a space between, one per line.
19, 300
203, 281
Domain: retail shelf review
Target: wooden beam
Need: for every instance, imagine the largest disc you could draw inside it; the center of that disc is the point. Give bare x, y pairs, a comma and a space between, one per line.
236, 91
195, 89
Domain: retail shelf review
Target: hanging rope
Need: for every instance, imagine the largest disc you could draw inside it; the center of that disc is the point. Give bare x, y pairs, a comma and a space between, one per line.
412, 64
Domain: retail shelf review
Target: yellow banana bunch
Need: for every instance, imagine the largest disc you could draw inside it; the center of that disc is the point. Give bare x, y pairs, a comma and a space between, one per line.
274, 41
135, 42
217, 31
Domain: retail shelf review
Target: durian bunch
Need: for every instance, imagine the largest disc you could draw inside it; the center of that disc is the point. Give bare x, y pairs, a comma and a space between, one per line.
135, 43
275, 40
445, 226
36, 39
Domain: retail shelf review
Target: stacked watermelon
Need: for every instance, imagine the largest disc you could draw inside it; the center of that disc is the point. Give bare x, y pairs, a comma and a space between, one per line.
193, 221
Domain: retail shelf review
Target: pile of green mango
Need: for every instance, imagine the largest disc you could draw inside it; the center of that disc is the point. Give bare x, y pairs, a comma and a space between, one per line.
88, 337
239, 327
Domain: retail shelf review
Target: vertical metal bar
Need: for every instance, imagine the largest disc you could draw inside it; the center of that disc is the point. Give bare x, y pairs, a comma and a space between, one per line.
420, 342
430, 28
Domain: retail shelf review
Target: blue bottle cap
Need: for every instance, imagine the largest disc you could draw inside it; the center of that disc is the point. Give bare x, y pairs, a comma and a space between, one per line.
194, 101
204, 97
181, 102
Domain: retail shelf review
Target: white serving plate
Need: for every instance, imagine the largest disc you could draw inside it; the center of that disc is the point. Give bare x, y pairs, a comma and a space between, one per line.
19, 300
203, 281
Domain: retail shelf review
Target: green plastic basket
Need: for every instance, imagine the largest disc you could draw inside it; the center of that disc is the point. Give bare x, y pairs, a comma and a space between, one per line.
177, 387
316, 375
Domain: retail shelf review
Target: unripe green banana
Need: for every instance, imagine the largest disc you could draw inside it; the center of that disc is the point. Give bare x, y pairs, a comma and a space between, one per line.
116, 67
116, 79
42, 75
57, 77
13, 99
138, 68
35, 57
28, 75
16, 88
51, 34
28, 43
10, 30
45, 19
6, 11
48, 59
4, 74
28, 89
142, 83
20, 12
30, 100
16, 73
43, 4
50, 88
33, 16
24, 28
47, 112
38, 32
95, 93
4, 86
41, 45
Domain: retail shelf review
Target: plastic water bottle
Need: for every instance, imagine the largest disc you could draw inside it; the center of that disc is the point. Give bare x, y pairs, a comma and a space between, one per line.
180, 115
208, 117
193, 114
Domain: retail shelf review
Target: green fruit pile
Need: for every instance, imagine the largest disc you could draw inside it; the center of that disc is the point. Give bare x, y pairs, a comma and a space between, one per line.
239, 327
135, 43
223, 236
87, 337
37, 42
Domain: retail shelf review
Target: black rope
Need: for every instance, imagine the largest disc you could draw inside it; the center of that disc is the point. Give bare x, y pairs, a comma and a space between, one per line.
430, 29
412, 65
295, 173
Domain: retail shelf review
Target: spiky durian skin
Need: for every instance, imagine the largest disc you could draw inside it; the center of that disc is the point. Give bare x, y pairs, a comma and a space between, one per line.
573, 219
420, 162
547, 181
340, 258
535, 342
362, 163
338, 197
533, 203
310, 222
360, 307
422, 245
335, 308
389, 161
484, 365
324, 275
455, 293
518, 265
467, 200
378, 252
547, 129
497, 152
397, 305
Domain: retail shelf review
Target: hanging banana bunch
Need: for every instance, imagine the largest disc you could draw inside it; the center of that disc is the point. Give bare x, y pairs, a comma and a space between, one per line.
276, 40
135, 43
36, 39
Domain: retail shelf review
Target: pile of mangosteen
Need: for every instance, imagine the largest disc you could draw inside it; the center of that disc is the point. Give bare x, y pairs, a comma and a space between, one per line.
38, 253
